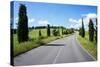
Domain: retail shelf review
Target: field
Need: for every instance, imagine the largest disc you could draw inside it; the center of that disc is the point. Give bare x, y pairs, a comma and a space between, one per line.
91, 47
34, 40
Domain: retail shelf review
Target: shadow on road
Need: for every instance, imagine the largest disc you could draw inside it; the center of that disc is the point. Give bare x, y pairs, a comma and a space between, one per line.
54, 45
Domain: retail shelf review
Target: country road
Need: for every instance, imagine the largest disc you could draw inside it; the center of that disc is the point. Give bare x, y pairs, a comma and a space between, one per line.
64, 50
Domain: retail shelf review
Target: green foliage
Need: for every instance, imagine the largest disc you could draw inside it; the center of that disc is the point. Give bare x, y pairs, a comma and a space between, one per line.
39, 33
80, 31
83, 30
62, 30
65, 32
68, 31
71, 30
33, 42
48, 30
88, 45
91, 30
22, 24
56, 32
34, 34
96, 31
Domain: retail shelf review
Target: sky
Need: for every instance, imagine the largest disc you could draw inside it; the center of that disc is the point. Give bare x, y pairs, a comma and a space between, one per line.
67, 15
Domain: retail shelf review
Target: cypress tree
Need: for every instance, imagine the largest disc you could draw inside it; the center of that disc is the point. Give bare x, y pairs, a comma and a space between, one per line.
58, 29
83, 30
62, 30
48, 30
91, 30
22, 24
39, 32
96, 31
80, 31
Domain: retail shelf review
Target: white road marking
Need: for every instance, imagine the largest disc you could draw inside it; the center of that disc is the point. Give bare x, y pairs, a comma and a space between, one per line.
57, 55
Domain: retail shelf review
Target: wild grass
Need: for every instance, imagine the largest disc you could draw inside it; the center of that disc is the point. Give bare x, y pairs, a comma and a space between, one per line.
91, 47
34, 41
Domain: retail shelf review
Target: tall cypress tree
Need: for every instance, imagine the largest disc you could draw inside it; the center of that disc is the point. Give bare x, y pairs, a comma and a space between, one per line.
62, 30
48, 30
40, 33
22, 24
83, 30
58, 30
96, 31
91, 30
80, 31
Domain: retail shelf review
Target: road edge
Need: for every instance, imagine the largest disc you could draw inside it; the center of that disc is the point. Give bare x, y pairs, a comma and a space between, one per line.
85, 50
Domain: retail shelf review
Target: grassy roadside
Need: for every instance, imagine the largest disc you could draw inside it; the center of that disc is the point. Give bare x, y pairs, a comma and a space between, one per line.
91, 47
33, 43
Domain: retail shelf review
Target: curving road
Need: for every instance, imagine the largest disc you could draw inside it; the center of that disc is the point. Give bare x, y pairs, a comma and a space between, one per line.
65, 50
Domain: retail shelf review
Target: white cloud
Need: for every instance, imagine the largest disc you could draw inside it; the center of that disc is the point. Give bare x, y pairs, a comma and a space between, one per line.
90, 15
15, 22
31, 20
77, 23
72, 20
43, 22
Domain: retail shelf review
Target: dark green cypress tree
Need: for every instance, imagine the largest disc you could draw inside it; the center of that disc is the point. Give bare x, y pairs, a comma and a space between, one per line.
91, 30
22, 24
80, 31
48, 30
58, 30
62, 30
39, 33
96, 31
83, 30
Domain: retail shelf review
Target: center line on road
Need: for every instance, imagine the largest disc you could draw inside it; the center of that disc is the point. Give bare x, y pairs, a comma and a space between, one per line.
57, 55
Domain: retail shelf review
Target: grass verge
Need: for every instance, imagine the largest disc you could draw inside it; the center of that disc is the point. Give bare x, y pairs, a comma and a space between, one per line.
91, 47
20, 48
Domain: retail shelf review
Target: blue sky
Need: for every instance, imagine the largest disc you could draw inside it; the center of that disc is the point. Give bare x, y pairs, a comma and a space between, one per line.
65, 15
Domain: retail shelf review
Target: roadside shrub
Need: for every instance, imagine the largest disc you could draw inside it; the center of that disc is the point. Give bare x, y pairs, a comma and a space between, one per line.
56, 32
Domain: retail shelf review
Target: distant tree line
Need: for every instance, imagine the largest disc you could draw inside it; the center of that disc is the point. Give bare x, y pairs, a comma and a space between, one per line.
44, 27
68, 31
41, 27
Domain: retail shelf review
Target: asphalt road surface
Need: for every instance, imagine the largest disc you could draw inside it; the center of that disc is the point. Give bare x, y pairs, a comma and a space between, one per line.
65, 50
